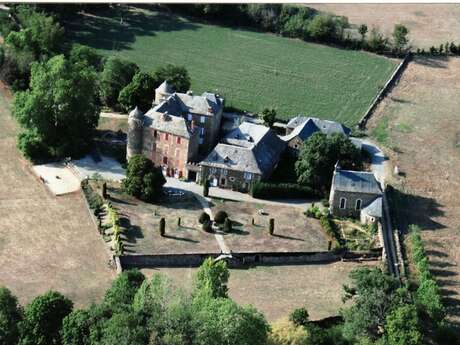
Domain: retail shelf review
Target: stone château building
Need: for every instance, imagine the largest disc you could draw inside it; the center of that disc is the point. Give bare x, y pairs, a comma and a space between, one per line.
177, 131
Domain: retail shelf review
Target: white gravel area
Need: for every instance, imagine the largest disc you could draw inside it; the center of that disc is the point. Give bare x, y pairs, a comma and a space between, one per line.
57, 177
108, 168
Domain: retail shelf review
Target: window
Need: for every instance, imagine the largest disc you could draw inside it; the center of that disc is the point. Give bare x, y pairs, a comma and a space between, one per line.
155, 133
178, 140
358, 204
166, 136
201, 141
248, 176
190, 117
232, 179
343, 203
201, 132
202, 119
223, 172
165, 160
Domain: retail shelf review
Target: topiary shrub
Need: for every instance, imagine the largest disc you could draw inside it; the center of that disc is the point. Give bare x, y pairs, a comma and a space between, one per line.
162, 226
299, 317
207, 226
204, 217
227, 225
220, 217
206, 188
271, 228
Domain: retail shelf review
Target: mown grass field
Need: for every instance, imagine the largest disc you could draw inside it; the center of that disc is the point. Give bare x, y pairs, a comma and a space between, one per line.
252, 70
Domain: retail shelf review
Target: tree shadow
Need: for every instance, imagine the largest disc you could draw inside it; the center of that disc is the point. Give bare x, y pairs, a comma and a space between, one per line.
118, 27
409, 209
436, 253
121, 201
240, 232
432, 61
288, 237
184, 239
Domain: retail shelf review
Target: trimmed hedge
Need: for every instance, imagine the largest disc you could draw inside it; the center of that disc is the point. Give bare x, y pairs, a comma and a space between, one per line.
428, 296
331, 230
266, 190
220, 217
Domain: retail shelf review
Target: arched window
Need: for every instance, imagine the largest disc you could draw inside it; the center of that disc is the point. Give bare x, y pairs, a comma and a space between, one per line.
358, 204
343, 203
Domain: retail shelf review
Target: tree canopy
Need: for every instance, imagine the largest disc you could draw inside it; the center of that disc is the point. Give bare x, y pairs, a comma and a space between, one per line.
116, 75
138, 93
400, 33
143, 179
10, 316
177, 77
60, 110
212, 278
318, 156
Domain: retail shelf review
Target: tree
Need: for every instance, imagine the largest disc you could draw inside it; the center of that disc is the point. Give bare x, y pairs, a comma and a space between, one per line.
362, 31
76, 328
143, 180
121, 294
138, 93
60, 110
80, 54
318, 156
400, 33
376, 41
222, 321
287, 333
125, 328
10, 316
375, 295
269, 116
322, 28
43, 319
39, 34
402, 326
117, 74
177, 76
212, 278
220, 217
299, 317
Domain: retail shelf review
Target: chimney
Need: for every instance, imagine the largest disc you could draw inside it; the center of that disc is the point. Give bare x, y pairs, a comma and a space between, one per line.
190, 92
193, 125
210, 110
166, 116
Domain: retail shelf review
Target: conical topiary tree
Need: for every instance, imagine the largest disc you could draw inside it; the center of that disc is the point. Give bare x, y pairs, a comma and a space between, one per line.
271, 228
162, 226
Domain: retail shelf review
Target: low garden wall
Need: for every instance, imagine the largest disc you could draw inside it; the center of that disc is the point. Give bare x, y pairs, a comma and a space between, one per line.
246, 259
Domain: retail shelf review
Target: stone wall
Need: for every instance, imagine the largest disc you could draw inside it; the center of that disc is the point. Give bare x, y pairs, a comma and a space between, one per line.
245, 259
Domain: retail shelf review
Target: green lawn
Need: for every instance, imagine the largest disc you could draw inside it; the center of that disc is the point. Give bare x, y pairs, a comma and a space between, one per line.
251, 69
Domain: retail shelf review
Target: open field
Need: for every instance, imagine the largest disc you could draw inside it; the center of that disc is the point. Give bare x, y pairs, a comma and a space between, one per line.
420, 120
251, 70
278, 290
428, 24
46, 242
293, 230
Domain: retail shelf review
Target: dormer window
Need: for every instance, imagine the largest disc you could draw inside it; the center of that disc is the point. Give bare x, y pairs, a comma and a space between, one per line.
202, 119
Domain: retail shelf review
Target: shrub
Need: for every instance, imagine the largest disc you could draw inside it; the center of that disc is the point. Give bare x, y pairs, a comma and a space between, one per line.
220, 217
313, 212
204, 217
162, 226
299, 317
206, 188
271, 228
266, 190
331, 230
207, 226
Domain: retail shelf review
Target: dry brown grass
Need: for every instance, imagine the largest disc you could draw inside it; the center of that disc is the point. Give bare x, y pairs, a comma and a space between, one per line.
293, 230
278, 290
429, 24
422, 115
46, 242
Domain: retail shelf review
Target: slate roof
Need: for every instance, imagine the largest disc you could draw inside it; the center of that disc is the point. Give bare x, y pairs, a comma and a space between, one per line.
304, 127
180, 104
374, 209
258, 155
167, 123
355, 181
165, 87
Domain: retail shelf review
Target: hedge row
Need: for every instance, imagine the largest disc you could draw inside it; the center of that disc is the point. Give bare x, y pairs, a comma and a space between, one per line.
331, 230
266, 190
428, 295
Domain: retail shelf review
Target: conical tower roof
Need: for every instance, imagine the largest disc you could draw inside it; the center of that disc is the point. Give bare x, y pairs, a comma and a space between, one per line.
165, 87
136, 113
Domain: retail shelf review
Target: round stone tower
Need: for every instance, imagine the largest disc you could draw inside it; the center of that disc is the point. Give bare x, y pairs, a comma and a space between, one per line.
135, 123
162, 92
